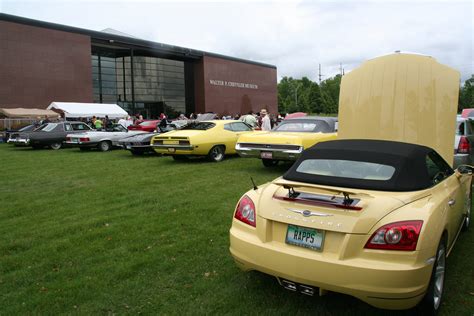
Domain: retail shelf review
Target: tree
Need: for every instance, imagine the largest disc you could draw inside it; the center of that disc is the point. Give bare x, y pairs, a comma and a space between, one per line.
466, 94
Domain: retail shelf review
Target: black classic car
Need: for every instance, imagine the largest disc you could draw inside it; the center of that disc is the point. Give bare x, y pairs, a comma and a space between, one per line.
8, 133
50, 135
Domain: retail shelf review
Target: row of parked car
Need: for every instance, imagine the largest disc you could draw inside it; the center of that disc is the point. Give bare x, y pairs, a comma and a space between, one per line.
211, 138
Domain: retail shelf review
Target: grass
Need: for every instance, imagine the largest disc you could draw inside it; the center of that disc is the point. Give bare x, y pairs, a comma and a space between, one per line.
109, 233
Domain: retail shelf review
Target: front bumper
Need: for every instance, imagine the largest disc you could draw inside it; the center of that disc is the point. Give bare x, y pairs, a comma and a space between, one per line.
394, 286
263, 151
19, 141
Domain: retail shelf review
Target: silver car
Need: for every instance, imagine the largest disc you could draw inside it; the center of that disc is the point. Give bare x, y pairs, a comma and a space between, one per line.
102, 140
463, 149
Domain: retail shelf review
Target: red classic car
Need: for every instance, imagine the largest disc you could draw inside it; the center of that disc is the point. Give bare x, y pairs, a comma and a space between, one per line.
147, 126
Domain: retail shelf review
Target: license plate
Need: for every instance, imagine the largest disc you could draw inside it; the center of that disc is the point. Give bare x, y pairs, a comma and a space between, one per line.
171, 142
266, 155
305, 237
171, 150
74, 140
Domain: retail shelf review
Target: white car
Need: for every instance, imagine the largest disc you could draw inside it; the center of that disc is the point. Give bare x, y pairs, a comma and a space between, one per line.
102, 140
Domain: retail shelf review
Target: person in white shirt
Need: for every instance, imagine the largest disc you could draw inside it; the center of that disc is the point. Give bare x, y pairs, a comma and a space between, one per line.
266, 124
123, 122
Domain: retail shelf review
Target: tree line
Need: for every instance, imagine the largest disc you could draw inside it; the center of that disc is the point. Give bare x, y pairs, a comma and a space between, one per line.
304, 95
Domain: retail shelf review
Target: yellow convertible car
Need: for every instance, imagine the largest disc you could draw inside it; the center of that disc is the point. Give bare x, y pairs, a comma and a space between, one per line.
376, 213
213, 139
288, 140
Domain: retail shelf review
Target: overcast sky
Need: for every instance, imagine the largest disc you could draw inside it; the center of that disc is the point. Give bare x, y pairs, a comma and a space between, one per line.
295, 36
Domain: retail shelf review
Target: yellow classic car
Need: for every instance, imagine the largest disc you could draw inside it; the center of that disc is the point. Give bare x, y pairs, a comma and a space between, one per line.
288, 140
213, 139
375, 213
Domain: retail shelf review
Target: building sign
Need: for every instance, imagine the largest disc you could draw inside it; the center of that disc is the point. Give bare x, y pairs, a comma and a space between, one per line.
233, 84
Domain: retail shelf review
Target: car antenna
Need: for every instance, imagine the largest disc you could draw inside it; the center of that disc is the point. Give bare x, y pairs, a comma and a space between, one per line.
254, 185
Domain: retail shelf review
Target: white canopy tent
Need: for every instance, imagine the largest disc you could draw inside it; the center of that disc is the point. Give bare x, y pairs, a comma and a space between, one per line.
76, 110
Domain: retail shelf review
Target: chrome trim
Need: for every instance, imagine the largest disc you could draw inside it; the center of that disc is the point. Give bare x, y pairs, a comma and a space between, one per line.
177, 147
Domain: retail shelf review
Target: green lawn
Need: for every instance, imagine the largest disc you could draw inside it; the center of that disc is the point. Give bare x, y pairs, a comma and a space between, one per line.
108, 233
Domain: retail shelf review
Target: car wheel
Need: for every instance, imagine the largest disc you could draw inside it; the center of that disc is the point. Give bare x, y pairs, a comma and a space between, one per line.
179, 157
84, 148
104, 146
216, 153
467, 220
432, 301
269, 162
55, 146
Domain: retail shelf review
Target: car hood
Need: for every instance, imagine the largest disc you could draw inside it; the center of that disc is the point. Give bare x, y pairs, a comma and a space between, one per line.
401, 97
271, 137
375, 205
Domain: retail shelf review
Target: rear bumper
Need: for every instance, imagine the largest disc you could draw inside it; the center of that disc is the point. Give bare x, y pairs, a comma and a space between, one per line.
389, 287
174, 149
462, 159
277, 154
84, 145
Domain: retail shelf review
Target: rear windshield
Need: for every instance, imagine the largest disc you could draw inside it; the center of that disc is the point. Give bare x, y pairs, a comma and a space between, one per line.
299, 126
346, 169
200, 126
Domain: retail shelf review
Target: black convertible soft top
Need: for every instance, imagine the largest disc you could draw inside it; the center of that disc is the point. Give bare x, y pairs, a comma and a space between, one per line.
409, 160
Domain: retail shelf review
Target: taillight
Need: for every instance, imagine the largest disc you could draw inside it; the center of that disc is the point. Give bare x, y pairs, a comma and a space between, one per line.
68, 139
464, 147
84, 139
396, 236
246, 211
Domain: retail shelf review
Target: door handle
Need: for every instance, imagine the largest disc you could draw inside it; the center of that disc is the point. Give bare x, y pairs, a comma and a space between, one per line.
451, 202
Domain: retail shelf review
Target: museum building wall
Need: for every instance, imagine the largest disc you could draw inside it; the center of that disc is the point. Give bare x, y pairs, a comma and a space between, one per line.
39, 66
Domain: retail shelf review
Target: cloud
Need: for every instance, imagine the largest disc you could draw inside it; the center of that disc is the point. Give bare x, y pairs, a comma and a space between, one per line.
295, 36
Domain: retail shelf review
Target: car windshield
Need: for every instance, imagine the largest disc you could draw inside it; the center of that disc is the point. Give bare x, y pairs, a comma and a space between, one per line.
48, 127
346, 169
202, 126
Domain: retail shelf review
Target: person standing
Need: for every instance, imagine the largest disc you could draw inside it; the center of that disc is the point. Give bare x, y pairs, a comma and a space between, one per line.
250, 119
266, 124
98, 124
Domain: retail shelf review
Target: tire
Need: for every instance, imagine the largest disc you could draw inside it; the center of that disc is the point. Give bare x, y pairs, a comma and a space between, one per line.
55, 146
104, 145
269, 162
467, 220
216, 153
84, 148
179, 157
431, 303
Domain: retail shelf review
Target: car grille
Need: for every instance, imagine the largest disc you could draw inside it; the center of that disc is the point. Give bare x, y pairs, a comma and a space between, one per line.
269, 146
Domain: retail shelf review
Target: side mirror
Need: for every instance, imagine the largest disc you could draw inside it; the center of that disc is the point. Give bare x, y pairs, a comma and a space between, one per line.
465, 170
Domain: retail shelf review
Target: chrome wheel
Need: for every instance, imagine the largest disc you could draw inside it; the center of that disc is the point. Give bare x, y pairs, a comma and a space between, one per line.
439, 271
104, 146
467, 220
55, 146
216, 154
